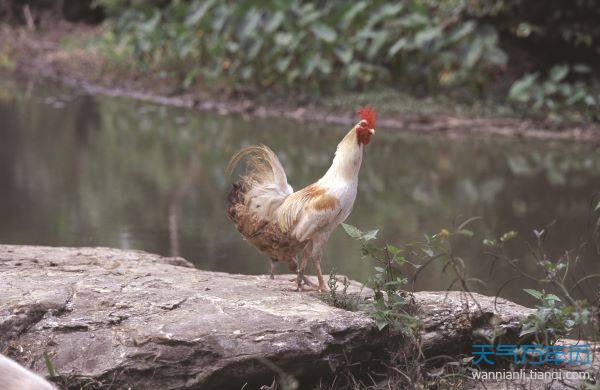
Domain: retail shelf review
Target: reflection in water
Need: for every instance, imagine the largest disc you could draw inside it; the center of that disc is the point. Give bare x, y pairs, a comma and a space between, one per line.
83, 170
175, 199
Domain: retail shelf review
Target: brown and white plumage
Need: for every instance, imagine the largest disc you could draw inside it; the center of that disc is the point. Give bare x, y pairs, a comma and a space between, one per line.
282, 223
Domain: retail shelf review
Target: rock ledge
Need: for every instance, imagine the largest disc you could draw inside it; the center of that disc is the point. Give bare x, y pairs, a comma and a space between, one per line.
130, 318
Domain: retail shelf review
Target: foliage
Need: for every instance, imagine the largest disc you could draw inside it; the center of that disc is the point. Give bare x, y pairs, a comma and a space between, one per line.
557, 92
340, 299
49, 365
391, 304
552, 319
391, 301
307, 45
421, 46
557, 314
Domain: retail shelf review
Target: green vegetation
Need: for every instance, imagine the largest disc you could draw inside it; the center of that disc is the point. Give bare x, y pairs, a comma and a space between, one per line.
558, 314
539, 60
392, 306
49, 365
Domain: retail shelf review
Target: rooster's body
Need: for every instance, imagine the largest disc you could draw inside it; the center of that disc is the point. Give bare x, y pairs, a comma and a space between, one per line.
282, 223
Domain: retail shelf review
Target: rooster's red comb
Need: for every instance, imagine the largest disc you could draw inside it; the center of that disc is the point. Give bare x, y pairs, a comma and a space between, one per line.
368, 114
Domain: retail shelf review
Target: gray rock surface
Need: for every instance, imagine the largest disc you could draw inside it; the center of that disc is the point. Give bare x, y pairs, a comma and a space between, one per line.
129, 318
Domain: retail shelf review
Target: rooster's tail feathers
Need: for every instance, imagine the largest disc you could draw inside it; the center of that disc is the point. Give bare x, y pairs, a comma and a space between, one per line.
264, 183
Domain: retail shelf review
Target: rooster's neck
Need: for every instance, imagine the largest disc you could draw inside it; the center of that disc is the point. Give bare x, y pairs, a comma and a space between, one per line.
347, 160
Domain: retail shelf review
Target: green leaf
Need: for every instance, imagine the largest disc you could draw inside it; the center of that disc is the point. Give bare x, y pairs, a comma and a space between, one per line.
325, 66
292, 75
508, 236
370, 235
275, 22
527, 331
495, 56
524, 29
349, 16
284, 39
396, 47
249, 25
49, 366
534, 293
233, 47
559, 72
324, 33
344, 54
385, 12
254, 49
195, 16
246, 72
413, 20
582, 68
489, 242
461, 31
474, 53
388, 10
552, 297
427, 35
379, 269
310, 64
393, 249
376, 43
282, 64
151, 24
352, 231
569, 324
381, 323
520, 91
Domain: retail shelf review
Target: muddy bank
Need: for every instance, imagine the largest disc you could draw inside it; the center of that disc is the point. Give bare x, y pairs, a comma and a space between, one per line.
45, 54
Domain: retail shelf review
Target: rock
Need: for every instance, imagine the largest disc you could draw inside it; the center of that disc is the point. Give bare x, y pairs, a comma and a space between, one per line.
130, 318
452, 321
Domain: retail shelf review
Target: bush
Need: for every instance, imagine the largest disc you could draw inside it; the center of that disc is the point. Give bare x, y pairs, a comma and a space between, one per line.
309, 45
494, 49
555, 92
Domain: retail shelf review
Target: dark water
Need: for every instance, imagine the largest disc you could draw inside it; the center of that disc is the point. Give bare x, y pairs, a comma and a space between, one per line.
85, 170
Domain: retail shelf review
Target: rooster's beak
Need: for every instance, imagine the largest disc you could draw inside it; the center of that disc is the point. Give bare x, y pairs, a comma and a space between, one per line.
372, 131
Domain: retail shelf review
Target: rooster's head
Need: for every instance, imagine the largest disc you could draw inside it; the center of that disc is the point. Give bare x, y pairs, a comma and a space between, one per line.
366, 127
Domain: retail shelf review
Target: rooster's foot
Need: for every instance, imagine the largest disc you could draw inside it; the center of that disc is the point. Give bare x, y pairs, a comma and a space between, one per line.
312, 287
305, 280
305, 284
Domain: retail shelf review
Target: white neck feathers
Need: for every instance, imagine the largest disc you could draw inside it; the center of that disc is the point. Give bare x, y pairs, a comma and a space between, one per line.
347, 160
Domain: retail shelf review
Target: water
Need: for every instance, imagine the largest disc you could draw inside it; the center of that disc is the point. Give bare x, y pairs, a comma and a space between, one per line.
80, 170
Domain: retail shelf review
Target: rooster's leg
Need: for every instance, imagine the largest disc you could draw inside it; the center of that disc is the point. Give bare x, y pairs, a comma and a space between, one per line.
301, 268
316, 252
316, 261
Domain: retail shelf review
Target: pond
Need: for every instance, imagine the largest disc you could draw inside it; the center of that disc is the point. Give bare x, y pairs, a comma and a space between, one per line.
81, 170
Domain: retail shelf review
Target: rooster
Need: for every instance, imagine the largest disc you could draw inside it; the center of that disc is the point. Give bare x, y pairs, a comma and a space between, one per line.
284, 224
